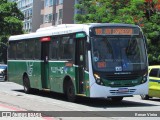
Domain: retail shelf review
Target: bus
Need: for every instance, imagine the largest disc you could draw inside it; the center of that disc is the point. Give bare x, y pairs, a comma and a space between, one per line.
95, 60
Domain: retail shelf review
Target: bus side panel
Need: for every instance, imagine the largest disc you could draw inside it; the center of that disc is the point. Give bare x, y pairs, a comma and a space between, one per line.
34, 73
57, 73
82, 83
86, 84
15, 71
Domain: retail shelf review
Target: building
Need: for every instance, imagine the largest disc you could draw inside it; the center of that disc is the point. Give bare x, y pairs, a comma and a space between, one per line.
44, 13
57, 12
32, 13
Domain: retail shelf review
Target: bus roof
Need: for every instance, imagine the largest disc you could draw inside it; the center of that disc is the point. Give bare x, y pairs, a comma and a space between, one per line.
64, 29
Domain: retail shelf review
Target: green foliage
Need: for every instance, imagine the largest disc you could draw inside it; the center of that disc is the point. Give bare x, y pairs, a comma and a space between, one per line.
113, 11
3, 48
152, 31
125, 11
10, 24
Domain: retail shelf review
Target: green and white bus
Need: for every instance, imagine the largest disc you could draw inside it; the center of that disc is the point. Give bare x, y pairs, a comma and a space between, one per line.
97, 60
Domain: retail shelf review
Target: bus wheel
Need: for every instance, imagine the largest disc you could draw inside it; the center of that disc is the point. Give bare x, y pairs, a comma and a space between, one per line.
26, 84
117, 99
70, 92
144, 97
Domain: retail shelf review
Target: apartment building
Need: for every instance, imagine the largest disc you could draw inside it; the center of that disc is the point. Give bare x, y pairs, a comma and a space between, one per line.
57, 12
44, 13
32, 13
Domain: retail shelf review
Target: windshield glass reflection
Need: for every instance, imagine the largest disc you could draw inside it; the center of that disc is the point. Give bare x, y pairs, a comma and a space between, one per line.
118, 54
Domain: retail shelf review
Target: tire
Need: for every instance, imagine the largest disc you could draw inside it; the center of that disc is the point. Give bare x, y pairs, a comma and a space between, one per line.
26, 84
144, 97
117, 99
70, 92
5, 79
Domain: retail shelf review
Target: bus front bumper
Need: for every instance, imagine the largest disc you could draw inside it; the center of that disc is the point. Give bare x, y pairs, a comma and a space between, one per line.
97, 91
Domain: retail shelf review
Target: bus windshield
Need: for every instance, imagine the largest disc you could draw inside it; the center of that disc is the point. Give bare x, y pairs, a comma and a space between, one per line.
118, 53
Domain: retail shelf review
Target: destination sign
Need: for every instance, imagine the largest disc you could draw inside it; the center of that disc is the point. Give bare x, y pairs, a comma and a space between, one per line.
116, 31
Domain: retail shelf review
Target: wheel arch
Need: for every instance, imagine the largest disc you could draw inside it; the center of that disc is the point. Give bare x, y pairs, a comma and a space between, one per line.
26, 83
66, 79
24, 74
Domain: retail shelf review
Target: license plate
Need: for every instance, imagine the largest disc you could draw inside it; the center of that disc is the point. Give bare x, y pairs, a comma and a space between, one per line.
123, 90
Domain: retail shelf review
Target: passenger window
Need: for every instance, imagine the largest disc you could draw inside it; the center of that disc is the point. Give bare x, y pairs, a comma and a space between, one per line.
154, 72
37, 49
66, 48
12, 50
30, 49
54, 48
20, 50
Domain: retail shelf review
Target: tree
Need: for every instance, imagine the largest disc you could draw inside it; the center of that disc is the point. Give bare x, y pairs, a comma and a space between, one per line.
141, 12
10, 24
152, 31
103, 11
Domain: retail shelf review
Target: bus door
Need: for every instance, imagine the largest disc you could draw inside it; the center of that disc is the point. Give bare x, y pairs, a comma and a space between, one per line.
80, 63
45, 65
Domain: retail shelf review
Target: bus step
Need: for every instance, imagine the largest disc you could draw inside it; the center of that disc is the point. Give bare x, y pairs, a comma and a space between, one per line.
81, 94
46, 90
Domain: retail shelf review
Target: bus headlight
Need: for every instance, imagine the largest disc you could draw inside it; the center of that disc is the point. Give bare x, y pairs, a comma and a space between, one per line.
144, 79
98, 79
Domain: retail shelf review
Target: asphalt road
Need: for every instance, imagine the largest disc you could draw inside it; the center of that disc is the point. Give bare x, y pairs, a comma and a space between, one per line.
12, 94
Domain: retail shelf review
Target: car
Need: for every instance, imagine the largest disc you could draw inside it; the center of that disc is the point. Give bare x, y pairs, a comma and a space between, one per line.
3, 72
154, 83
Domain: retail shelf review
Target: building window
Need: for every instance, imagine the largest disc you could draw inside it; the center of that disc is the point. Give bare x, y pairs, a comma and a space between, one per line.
60, 1
55, 17
60, 13
48, 3
19, 4
30, 12
27, 14
55, 2
23, 3
48, 18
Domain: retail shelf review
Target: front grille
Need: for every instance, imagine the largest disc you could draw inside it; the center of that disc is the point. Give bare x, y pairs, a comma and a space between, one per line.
122, 77
116, 92
122, 85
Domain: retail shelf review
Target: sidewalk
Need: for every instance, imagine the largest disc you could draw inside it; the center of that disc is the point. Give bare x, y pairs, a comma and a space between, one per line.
8, 112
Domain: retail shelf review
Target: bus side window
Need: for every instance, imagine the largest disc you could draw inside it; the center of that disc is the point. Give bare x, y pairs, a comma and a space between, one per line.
66, 48
20, 50
30, 49
37, 49
54, 48
12, 50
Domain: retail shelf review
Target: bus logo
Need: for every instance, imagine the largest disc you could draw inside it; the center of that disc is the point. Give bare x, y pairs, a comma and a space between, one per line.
29, 68
119, 68
61, 70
